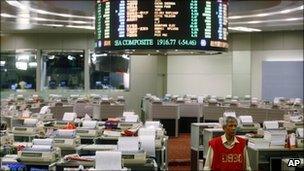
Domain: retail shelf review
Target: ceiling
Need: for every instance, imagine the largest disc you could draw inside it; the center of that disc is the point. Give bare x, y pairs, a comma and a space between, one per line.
78, 16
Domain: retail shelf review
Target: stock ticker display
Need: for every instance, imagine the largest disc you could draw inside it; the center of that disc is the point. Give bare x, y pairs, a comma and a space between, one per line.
161, 24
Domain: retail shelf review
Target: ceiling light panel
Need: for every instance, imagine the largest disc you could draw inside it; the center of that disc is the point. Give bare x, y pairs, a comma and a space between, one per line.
266, 21
244, 29
39, 11
286, 11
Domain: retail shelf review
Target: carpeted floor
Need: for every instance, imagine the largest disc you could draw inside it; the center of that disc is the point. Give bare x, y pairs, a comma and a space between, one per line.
179, 152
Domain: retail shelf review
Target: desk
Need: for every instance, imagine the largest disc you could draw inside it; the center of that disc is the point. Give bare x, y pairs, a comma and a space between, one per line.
262, 158
58, 111
150, 165
191, 110
164, 111
259, 114
104, 111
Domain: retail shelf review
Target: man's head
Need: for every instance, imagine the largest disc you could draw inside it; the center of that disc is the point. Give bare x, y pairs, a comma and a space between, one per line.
229, 125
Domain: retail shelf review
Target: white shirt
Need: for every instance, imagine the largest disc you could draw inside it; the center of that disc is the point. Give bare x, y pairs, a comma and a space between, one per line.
209, 156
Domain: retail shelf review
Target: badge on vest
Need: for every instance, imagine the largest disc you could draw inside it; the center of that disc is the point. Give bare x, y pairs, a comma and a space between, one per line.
231, 158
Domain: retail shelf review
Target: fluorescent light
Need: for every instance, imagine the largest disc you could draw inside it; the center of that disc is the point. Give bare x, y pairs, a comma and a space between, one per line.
267, 14
2, 63
293, 19
21, 65
27, 18
245, 29
7, 15
284, 59
70, 57
254, 22
125, 57
32, 64
51, 57
22, 6
266, 21
81, 27
52, 25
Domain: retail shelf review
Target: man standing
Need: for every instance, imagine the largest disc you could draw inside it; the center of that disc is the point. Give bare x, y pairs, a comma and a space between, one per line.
227, 152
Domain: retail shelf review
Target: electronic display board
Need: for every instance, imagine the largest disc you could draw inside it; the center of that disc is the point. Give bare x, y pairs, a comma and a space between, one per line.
161, 24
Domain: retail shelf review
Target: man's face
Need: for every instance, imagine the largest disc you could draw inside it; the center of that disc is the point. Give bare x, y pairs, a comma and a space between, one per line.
230, 128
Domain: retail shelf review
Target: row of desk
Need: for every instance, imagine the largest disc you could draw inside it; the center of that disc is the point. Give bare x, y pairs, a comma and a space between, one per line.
204, 112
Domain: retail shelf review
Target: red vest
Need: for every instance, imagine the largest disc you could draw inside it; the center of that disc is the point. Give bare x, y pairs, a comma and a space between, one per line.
228, 159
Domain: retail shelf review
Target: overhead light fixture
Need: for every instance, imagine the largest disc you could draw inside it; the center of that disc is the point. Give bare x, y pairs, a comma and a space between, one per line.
51, 25
70, 57
2, 63
266, 21
245, 29
292, 19
51, 57
25, 7
99, 55
286, 11
7, 15
32, 64
125, 56
81, 27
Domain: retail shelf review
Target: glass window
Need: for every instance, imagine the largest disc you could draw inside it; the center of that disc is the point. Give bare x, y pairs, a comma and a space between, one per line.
18, 69
109, 71
62, 69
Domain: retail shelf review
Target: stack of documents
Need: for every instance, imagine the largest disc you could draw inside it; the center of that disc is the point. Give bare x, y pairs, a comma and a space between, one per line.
276, 137
258, 142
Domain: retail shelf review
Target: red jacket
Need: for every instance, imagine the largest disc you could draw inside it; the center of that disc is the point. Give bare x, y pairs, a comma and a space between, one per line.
228, 159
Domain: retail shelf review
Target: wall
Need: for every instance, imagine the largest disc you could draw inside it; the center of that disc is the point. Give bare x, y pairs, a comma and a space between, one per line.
275, 46
238, 72
200, 74
241, 56
148, 73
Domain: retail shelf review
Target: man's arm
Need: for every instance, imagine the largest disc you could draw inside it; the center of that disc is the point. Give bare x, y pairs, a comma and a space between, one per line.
209, 159
248, 168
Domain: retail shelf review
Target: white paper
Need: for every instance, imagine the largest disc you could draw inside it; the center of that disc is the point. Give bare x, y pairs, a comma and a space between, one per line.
120, 97
228, 96
155, 124
74, 95
108, 160
41, 148
226, 114
69, 116
150, 131
46, 141
66, 132
30, 122
271, 124
111, 133
148, 144
87, 117
131, 118
89, 124
128, 144
44, 110
300, 132
128, 113
104, 99
200, 99
246, 119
